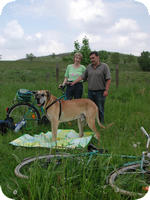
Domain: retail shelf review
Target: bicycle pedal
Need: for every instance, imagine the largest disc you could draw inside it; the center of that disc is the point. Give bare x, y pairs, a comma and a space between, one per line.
91, 148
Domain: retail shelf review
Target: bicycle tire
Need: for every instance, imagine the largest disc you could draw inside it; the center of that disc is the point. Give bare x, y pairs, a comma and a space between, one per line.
27, 161
25, 111
111, 180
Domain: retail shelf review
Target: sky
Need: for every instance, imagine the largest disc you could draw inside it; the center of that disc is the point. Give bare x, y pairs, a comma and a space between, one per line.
44, 27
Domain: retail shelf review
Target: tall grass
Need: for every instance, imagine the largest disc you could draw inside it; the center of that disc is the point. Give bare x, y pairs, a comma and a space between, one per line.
127, 107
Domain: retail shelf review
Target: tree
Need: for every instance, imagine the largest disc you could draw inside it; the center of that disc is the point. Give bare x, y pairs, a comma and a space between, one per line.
84, 49
131, 58
115, 58
53, 55
144, 61
103, 56
30, 56
76, 46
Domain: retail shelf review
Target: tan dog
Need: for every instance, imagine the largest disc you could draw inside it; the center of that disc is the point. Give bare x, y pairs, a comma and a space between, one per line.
62, 111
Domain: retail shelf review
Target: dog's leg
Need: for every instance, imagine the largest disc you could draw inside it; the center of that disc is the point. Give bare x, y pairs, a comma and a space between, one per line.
54, 124
80, 126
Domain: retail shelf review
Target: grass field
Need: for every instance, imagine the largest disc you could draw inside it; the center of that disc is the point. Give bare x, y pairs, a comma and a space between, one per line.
127, 107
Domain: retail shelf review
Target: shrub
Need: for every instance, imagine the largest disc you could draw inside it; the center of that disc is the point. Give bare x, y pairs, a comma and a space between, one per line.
144, 61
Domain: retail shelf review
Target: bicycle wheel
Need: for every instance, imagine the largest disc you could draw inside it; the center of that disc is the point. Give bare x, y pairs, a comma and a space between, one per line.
24, 111
60, 166
130, 180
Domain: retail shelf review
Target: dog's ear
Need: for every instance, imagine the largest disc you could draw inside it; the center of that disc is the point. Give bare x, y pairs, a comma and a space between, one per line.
48, 94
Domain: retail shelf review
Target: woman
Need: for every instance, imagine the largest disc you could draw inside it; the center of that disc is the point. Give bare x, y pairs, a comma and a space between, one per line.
74, 71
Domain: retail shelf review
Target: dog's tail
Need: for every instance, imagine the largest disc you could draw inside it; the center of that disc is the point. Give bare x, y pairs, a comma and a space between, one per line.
98, 121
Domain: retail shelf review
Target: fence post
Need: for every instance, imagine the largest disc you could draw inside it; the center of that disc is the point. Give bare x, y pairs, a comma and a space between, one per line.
117, 75
57, 73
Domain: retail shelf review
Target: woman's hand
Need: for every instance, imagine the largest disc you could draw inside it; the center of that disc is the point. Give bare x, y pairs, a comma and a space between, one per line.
61, 86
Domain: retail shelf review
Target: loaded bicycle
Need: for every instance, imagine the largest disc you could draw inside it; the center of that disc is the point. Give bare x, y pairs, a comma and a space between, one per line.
25, 111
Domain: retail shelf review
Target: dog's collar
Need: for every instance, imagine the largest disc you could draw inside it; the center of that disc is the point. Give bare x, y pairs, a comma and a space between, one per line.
54, 103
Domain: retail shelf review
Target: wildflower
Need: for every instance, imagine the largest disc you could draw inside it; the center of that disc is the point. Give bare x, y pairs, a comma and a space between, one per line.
15, 192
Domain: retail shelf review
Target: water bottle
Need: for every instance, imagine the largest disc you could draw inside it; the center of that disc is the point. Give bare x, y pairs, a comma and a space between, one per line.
20, 125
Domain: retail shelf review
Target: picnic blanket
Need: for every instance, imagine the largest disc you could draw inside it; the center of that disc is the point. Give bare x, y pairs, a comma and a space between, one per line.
65, 139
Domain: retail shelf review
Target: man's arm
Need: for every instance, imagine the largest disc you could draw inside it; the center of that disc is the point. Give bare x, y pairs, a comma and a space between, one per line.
77, 80
107, 87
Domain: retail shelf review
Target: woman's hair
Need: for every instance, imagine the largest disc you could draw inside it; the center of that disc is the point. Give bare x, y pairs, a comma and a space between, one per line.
78, 54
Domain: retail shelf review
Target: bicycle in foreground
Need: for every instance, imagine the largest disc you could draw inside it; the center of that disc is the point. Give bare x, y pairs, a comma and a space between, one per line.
132, 175
128, 179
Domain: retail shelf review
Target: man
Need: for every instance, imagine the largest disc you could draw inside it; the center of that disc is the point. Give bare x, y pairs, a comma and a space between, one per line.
98, 76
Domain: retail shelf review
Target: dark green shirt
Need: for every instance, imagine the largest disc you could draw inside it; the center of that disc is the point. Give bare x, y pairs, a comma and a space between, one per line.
97, 77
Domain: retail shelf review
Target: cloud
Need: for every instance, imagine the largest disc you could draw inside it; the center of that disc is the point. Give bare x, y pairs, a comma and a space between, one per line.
38, 35
43, 27
91, 37
2, 40
50, 47
13, 30
124, 25
16, 44
87, 10
120, 38
40, 8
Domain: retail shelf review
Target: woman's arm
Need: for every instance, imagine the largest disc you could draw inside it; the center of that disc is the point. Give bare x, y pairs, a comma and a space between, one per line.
65, 81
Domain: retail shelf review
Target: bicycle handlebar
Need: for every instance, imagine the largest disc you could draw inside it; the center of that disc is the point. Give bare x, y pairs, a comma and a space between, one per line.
144, 131
62, 87
148, 136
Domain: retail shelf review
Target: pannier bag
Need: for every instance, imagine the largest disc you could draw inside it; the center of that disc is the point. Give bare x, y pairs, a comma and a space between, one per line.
23, 95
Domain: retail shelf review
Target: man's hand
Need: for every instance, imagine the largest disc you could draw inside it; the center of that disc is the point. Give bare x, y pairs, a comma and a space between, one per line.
105, 94
72, 83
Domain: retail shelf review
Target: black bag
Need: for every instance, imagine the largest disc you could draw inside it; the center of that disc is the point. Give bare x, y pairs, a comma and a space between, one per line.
8, 123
